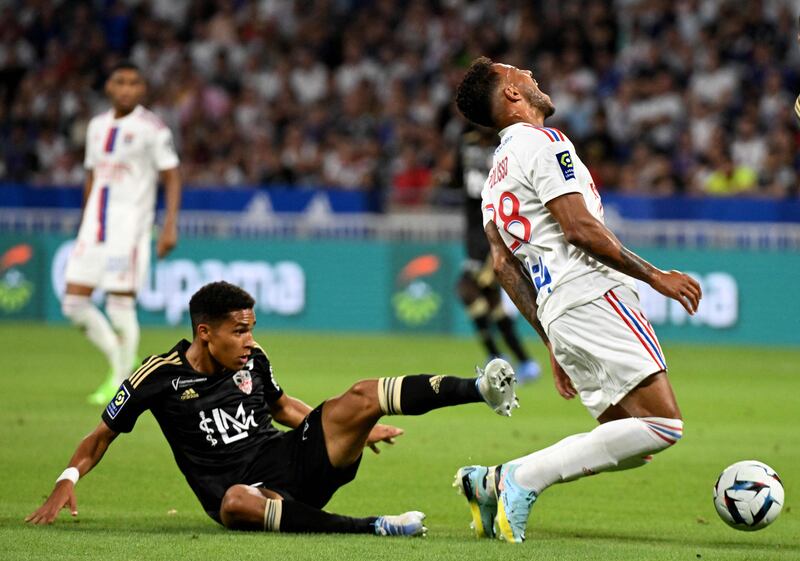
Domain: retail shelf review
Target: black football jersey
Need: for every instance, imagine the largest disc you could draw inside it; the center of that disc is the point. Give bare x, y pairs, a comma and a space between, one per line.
216, 424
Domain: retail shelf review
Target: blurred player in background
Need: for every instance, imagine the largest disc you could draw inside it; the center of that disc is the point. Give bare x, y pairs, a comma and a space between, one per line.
573, 281
797, 101
127, 149
215, 399
477, 287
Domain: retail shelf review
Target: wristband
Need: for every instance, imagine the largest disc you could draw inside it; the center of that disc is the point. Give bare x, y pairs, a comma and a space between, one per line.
70, 473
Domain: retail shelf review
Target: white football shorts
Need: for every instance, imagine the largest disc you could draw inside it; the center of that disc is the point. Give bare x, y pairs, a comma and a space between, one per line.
606, 347
109, 266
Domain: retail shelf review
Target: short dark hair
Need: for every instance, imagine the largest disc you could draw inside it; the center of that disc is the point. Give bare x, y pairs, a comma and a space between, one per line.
124, 64
474, 93
213, 302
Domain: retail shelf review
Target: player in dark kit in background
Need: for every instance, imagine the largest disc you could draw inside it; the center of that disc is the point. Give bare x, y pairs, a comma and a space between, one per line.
477, 286
215, 398
797, 101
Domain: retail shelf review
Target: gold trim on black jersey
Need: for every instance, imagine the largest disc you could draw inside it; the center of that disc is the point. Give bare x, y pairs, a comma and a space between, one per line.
152, 364
797, 107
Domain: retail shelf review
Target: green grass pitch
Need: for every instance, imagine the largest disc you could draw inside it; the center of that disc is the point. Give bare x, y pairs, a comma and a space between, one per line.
738, 403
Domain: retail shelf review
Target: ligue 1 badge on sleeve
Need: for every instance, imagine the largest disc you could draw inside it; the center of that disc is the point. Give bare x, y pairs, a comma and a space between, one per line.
243, 381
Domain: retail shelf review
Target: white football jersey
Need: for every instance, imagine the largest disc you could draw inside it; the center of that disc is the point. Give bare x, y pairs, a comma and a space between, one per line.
532, 166
125, 156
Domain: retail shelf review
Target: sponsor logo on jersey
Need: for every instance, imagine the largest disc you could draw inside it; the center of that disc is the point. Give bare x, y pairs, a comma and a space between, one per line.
119, 400
189, 394
230, 428
178, 383
565, 163
243, 381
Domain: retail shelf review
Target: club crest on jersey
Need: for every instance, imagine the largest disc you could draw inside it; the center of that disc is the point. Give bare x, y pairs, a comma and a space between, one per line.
565, 163
127, 138
243, 381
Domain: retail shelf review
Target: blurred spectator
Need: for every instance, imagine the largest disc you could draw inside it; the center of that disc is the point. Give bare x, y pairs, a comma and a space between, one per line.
358, 95
411, 179
726, 177
748, 148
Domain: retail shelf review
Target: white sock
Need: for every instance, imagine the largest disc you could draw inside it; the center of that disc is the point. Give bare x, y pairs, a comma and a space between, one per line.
84, 314
615, 445
552, 448
121, 311
630, 463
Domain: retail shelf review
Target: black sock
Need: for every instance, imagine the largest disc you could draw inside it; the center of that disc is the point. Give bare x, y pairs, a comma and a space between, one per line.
296, 517
506, 327
415, 395
485, 334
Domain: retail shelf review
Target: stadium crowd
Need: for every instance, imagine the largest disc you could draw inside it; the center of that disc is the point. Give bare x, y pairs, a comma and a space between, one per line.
659, 96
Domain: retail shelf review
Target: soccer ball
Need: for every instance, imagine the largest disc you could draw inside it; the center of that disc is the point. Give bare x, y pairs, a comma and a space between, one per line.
748, 495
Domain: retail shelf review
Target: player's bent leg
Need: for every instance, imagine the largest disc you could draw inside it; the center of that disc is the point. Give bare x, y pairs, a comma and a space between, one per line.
614, 413
348, 419
620, 442
243, 507
416, 395
617, 444
653, 397
249, 508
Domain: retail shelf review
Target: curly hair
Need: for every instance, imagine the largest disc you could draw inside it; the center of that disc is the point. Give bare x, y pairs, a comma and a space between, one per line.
214, 301
474, 93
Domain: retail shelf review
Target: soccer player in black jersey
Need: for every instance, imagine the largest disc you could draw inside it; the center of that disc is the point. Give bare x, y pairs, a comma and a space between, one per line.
797, 101
215, 399
478, 289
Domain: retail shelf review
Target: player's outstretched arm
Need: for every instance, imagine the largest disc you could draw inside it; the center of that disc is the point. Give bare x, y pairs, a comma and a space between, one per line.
513, 279
168, 238
584, 231
86, 456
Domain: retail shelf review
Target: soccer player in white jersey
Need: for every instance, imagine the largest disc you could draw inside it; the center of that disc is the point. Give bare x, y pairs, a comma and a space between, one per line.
128, 149
573, 281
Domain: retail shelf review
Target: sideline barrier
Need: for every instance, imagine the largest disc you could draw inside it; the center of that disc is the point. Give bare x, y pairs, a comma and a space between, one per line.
383, 286
283, 199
